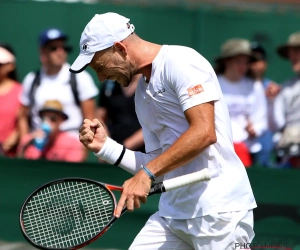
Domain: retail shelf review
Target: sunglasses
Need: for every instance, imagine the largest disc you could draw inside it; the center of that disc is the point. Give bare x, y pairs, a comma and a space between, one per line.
54, 48
52, 118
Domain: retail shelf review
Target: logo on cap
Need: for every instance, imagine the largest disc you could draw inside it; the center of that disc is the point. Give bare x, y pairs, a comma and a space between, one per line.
84, 47
53, 34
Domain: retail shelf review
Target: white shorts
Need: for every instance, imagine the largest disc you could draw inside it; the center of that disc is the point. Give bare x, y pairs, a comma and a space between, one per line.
217, 231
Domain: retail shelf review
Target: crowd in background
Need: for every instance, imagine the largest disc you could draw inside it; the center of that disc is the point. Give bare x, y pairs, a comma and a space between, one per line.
41, 114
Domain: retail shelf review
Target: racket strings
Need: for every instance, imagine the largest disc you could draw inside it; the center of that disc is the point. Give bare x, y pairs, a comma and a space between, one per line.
67, 214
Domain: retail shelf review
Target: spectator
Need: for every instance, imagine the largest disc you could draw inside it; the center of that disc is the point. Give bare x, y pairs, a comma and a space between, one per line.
10, 90
287, 106
257, 71
54, 81
49, 142
117, 111
245, 99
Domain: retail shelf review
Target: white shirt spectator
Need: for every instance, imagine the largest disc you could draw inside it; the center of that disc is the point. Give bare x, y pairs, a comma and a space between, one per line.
58, 87
287, 104
246, 101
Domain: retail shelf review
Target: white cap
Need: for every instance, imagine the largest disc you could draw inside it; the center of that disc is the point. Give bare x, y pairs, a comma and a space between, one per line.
99, 34
6, 56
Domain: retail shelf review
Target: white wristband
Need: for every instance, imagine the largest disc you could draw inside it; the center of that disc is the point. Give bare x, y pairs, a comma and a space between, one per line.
110, 152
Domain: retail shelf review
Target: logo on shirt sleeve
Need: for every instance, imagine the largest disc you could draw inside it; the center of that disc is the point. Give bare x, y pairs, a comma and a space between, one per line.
195, 90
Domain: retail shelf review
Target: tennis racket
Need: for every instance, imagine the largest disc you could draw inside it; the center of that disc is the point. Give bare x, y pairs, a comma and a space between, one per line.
71, 213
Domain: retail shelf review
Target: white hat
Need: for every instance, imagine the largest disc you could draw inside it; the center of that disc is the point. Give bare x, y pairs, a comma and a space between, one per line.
99, 34
6, 56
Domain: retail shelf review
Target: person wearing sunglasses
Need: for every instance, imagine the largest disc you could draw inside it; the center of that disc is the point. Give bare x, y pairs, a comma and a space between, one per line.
54, 81
48, 141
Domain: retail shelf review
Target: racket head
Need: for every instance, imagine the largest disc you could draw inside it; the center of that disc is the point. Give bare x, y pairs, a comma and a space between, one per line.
68, 213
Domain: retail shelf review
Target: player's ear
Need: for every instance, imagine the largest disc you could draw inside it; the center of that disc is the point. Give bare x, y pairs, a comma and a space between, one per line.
121, 48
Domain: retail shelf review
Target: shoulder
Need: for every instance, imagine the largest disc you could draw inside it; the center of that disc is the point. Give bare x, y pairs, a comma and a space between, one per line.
181, 55
183, 62
17, 88
290, 82
28, 79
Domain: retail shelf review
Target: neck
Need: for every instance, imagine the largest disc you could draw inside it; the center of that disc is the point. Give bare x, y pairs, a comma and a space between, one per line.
143, 54
5, 82
52, 70
258, 77
231, 76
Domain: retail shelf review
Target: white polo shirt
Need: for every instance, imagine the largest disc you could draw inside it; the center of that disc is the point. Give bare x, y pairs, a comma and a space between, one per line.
180, 79
58, 87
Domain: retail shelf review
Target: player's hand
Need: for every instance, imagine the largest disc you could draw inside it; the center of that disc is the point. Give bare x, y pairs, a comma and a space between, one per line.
135, 191
92, 135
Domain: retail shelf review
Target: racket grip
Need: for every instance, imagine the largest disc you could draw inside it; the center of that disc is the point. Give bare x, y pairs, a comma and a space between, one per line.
188, 179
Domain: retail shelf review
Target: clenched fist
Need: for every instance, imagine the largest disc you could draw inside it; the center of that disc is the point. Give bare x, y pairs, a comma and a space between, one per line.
92, 135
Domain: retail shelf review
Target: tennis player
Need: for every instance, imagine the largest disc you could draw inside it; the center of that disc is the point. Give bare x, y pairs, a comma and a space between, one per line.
186, 128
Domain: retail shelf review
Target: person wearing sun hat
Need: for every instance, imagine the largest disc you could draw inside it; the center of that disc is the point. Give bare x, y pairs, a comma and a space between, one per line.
287, 104
48, 141
245, 99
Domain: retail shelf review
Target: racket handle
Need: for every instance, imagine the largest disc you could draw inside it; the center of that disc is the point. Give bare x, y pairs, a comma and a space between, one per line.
187, 179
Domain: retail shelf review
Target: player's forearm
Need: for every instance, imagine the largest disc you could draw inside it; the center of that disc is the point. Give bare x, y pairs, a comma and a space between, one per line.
187, 147
133, 160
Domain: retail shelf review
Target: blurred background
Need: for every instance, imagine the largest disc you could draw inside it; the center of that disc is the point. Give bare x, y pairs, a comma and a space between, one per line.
204, 25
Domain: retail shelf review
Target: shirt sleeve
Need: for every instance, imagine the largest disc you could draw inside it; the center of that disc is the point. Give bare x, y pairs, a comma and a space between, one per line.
193, 84
259, 112
87, 88
279, 111
25, 94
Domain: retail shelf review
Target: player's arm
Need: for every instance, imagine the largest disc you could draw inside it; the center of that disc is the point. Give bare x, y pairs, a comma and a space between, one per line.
199, 135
